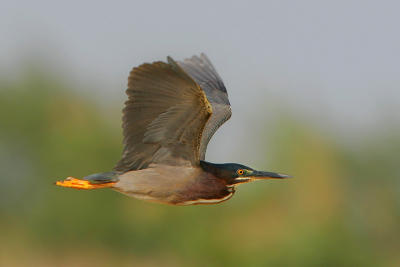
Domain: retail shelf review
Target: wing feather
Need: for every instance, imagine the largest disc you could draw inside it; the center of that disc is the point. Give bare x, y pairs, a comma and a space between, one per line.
164, 117
204, 73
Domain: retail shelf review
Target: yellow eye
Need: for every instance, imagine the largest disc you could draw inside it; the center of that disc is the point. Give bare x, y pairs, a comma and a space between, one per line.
240, 172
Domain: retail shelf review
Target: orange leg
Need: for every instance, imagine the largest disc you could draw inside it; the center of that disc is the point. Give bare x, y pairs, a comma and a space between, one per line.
81, 184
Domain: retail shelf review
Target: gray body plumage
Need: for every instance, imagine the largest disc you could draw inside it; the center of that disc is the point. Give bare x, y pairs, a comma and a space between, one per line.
164, 184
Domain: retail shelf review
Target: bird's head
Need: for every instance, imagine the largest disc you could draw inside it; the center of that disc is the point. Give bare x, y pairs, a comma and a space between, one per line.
235, 173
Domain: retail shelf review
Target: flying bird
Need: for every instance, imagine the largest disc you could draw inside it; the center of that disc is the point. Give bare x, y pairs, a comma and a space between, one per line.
173, 110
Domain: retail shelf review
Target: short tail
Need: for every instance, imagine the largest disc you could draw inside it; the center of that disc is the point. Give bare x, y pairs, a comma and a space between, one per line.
93, 181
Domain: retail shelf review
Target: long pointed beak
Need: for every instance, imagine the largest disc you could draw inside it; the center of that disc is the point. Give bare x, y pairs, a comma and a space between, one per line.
269, 175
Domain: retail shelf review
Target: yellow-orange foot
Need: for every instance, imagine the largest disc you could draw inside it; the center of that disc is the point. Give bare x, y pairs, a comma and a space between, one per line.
81, 184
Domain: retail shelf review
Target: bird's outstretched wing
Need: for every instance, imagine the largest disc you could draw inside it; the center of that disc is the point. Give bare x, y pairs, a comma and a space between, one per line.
203, 72
164, 117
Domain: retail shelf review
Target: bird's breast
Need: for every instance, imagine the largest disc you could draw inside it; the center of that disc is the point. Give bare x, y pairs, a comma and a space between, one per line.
174, 185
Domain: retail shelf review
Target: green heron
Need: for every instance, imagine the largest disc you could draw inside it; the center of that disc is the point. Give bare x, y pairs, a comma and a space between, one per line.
173, 110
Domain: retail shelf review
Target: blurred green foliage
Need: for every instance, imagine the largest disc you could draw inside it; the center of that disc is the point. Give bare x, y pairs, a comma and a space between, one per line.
342, 208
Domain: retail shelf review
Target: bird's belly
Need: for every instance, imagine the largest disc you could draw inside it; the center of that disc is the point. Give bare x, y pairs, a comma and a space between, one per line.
203, 201
178, 200
188, 187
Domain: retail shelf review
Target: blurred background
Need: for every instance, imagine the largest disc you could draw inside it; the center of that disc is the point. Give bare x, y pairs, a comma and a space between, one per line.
314, 88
